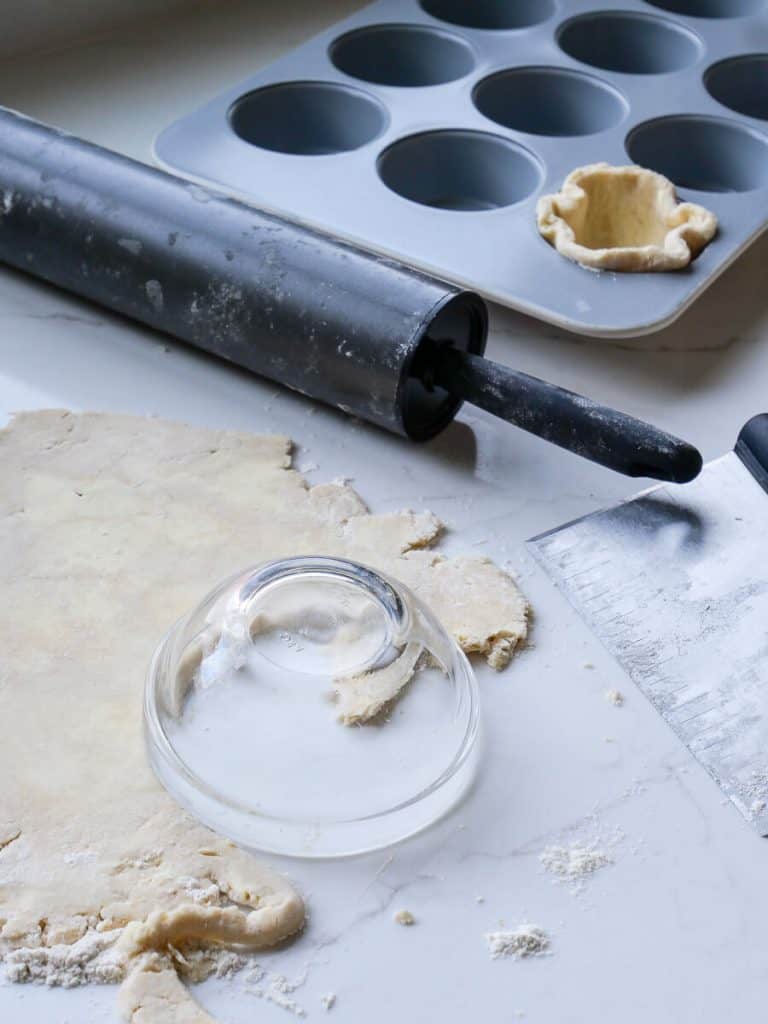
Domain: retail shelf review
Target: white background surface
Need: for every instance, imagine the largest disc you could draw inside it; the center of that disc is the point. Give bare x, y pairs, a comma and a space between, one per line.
675, 929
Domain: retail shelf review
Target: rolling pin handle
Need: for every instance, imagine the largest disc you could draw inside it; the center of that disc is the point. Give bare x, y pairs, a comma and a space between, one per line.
606, 436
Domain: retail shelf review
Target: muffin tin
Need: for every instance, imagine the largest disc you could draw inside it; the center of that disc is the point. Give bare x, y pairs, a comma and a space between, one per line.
427, 131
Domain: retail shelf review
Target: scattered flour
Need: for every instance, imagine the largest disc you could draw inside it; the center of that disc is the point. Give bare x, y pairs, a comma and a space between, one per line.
574, 862
255, 975
756, 786
132, 245
405, 917
198, 964
328, 1000
284, 1002
199, 891
615, 697
154, 292
150, 859
92, 959
524, 941
280, 983
280, 990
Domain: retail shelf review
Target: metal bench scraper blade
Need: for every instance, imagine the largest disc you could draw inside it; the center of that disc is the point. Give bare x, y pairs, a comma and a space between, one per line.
674, 582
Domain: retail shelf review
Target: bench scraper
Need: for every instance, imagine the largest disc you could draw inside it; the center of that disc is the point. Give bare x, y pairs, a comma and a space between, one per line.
674, 582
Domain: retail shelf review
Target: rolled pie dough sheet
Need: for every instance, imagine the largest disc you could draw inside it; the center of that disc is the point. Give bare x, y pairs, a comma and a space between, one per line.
110, 528
623, 218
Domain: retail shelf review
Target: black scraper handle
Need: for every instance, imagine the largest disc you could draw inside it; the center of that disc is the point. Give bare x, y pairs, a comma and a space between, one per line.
603, 435
752, 448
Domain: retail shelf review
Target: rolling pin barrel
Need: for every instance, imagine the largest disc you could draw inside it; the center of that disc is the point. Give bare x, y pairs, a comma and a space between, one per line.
322, 317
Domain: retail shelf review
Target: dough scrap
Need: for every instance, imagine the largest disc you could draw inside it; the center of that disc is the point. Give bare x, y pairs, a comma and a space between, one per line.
623, 218
110, 528
153, 993
360, 698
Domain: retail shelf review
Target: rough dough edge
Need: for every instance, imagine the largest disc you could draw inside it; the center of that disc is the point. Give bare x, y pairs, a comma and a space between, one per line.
153, 993
691, 227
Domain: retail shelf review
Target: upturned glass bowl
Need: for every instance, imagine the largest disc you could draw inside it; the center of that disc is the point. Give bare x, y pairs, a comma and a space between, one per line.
312, 707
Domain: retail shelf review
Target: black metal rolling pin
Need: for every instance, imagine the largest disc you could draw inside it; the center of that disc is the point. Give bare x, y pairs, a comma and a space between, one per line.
305, 310
357, 331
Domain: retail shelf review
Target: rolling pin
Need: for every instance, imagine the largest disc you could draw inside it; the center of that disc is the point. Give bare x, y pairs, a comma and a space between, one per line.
352, 329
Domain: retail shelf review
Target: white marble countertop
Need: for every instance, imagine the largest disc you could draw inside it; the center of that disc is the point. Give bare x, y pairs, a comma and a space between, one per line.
674, 930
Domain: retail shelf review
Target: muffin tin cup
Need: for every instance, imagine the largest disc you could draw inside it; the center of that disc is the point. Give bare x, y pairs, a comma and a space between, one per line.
427, 129
711, 8
741, 84
307, 118
549, 101
410, 56
491, 15
629, 42
708, 154
459, 170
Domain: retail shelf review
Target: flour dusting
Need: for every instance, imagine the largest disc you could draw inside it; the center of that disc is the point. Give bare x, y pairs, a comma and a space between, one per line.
575, 861
197, 964
756, 786
274, 995
96, 959
524, 941
154, 292
92, 959
280, 992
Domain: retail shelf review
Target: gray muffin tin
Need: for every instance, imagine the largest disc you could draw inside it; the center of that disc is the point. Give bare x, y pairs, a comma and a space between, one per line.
427, 131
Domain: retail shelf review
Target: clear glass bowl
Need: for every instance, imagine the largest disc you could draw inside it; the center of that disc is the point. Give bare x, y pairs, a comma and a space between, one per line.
312, 707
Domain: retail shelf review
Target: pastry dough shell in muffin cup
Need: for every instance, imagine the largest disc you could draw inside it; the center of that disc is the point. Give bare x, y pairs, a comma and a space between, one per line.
623, 218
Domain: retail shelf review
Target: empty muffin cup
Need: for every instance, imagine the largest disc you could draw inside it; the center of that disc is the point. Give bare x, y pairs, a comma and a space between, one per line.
491, 14
460, 170
402, 55
710, 8
308, 118
549, 101
709, 154
636, 44
741, 84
